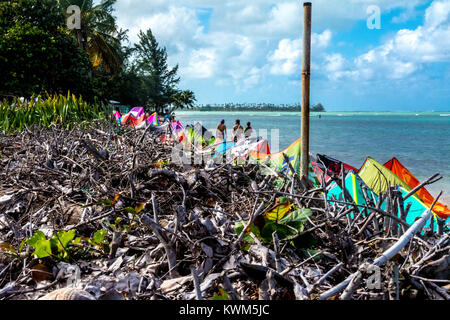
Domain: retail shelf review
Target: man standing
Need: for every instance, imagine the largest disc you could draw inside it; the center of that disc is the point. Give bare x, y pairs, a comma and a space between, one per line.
221, 132
237, 131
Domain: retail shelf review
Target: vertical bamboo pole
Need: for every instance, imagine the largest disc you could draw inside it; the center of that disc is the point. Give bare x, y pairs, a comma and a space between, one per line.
306, 76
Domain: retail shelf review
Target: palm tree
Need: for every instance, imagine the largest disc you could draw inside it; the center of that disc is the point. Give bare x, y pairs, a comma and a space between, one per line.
98, 35
183, 99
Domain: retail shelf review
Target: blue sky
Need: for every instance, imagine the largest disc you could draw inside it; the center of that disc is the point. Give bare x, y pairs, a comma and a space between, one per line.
250, 51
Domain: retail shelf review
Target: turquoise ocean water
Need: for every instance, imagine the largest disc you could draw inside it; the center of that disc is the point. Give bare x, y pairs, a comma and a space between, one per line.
420, 140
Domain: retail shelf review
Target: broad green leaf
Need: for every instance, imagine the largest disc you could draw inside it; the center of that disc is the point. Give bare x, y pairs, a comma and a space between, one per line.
278, 211
63, 238
296, 219
310, 252
99, 236
283, 231
38, 236
41, 245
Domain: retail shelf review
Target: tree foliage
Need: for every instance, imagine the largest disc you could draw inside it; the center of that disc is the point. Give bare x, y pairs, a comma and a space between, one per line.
99, 33
39, 54
36, 55
160, 80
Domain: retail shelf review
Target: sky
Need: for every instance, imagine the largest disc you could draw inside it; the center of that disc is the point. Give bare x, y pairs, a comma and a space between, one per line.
250, 51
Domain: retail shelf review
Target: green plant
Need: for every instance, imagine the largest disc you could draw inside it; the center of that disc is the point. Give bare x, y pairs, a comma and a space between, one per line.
283, 219
56, 247
222, 295
98, 241
125, 228
66, 111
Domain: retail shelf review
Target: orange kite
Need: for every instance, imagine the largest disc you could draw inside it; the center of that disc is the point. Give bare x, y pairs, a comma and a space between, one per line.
398, 169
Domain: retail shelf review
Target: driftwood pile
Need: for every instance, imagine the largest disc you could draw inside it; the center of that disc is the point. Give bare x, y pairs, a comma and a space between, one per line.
170, 228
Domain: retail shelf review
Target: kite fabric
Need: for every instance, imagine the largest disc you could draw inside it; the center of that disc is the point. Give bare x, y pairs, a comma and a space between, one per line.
400, 170
137, 112
135, 118
153, 120
379, 179
277, 161
176, 126
130, 120
198, 136
354, 185
331, 166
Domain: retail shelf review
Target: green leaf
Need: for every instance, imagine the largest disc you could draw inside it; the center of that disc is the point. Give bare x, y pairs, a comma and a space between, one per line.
63, 238
222, 295
38, 236
247, 239
99, 236
283, 231
310, 252
296, 219
41, 245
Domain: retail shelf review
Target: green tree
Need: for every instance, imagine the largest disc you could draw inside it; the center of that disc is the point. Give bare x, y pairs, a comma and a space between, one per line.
159, 80
98, 35
318, 108
183, 99
36, 55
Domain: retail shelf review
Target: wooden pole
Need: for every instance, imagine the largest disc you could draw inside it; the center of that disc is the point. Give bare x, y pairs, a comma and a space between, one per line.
306, 76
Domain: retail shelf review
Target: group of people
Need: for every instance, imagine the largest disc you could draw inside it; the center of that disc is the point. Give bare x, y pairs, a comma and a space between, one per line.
221, 132
238, 130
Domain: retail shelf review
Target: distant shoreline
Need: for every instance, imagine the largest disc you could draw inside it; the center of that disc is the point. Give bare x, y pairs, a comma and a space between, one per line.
447, 113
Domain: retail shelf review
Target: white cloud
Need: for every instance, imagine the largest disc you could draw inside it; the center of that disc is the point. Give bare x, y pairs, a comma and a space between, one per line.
177, 27
201, 64
437, 14
404, 53
286, 59
247, 41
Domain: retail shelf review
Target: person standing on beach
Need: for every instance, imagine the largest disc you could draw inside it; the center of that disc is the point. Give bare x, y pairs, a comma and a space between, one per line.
237, 131
221, 132
166, 116
248, 130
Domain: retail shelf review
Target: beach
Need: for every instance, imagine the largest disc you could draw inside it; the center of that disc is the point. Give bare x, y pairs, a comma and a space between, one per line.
420, 140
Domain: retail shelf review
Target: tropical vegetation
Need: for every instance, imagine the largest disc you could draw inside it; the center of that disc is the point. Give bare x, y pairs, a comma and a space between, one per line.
40, 54
20, 114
